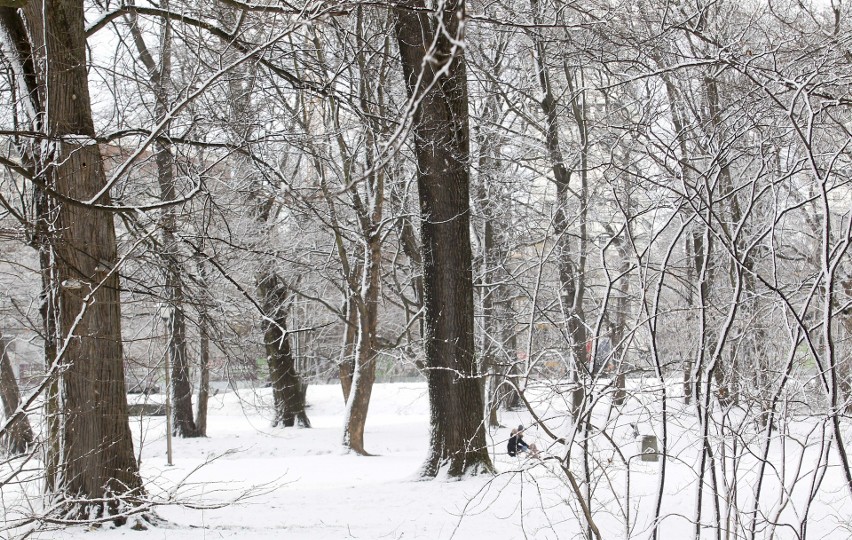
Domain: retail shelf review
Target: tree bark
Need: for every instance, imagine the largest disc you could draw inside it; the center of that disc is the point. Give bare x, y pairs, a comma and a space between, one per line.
346, 366
288, 397
27, 84
364, 373
19, 436
183, 424
203, 379
96, 462
441, 137
203, 357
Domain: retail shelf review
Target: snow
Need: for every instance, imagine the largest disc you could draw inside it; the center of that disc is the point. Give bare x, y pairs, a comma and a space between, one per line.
299, 484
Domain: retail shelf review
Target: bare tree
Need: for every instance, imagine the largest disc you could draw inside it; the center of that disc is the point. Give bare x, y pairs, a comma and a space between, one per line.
160, 79
96, 473
437, 87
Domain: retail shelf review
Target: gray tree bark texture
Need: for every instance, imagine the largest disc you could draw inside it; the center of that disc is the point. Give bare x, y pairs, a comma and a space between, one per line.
457, 444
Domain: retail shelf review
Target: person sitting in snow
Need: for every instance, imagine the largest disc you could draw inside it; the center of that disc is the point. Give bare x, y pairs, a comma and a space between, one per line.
517, 444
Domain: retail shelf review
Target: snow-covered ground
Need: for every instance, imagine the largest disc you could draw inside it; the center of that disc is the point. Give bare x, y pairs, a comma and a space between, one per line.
298, 484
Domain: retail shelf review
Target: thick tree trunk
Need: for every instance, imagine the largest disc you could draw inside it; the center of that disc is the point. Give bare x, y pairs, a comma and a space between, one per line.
18, 438
441, 135
96, 462
287, 391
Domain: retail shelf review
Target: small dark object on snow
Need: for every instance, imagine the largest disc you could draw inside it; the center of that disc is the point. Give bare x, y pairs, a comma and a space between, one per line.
650, 450
517, 444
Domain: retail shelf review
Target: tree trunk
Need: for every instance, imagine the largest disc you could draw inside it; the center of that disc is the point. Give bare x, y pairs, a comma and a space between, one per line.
18, 438
183, 424
30, 150
441, 137
622, 305
203, 357
203, 380
489, 202
692, 239
494, 326
691, 270
288, 390
364, 374
48, 311
346, 366
288, 397
571, 272
160, 79
369, 208
727, 380
97, 463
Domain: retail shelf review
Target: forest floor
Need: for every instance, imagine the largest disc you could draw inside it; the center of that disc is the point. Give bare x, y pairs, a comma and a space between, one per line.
248, 480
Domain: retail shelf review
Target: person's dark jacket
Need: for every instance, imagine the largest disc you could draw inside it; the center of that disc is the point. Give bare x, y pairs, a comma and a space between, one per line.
516, 444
